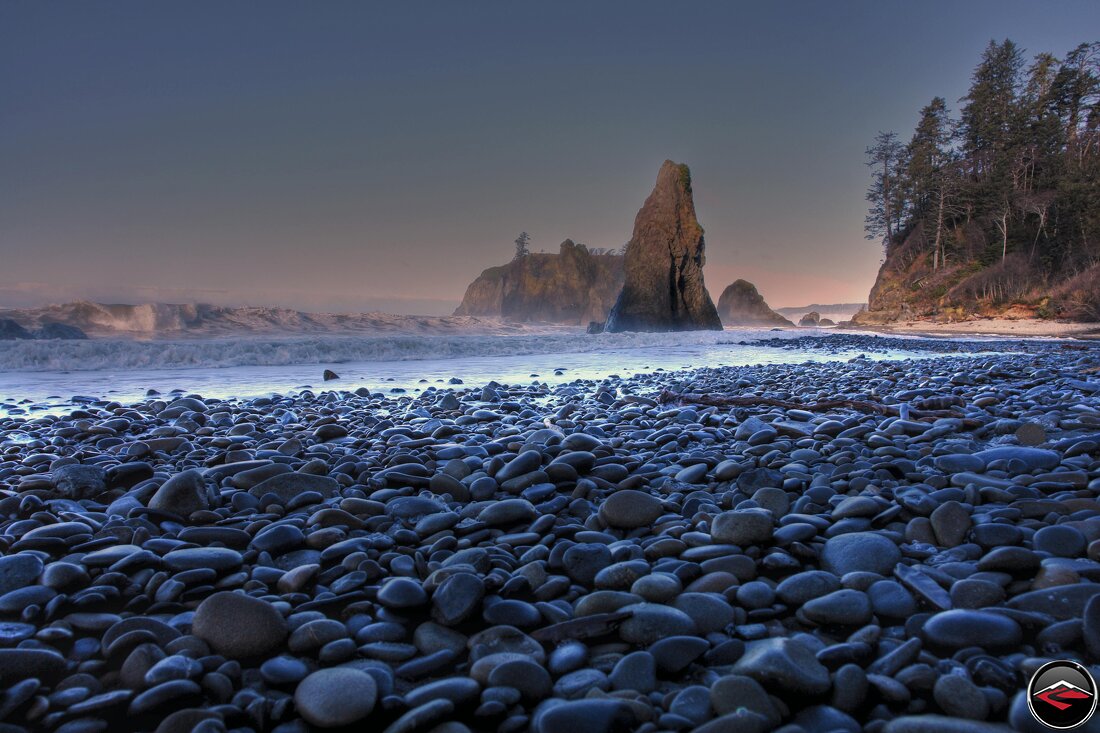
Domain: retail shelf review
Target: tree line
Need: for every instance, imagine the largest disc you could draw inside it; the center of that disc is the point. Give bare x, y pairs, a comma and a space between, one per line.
523, 249
1017, 170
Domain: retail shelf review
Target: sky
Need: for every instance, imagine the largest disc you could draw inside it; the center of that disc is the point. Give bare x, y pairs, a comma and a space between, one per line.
350, 156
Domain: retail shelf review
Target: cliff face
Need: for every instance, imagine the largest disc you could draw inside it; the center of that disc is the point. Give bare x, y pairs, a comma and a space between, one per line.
908, 286
572, 286
663, 289
742, 305
977, 280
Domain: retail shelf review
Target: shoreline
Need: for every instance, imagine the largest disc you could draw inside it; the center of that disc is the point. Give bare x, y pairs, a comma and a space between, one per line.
561, 554
1017, 327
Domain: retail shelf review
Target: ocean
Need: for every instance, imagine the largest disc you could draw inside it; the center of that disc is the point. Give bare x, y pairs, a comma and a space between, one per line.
40, 377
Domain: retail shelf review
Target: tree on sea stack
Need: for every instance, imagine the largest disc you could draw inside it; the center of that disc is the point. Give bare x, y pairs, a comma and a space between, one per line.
521, 245
663, 289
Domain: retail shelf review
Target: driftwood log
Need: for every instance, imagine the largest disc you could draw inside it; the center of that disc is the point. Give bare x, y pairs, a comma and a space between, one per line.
876, 408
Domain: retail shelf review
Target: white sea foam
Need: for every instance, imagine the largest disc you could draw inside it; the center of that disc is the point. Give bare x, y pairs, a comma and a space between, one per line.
202, 320
128, 354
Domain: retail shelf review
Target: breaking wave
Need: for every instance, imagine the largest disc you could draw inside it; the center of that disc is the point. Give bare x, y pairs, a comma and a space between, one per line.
100, 354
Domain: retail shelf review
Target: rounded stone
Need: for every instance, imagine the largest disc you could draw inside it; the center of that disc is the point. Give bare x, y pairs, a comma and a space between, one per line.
402, 593
890, 599
1060, 541
657, 588
674, 654
708, 611
1031, 434
182, 494
283, 670
239, 626
636, 671
312, 635
839, 608
959, 628
532, 680
18, 571
587, 716
950, 522
735, 691
783, 665
511, 612
860, 552
20, 664
582, 562
651, 622
742, 527
524, 463
1091, 626
975, 593
630, 509
335, 697
193, 558
456, 689
960, 698
507, 512
802, 587
755, 594
457, 598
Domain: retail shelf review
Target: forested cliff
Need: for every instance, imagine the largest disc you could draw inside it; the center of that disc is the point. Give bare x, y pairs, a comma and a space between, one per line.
574, 286
995, 210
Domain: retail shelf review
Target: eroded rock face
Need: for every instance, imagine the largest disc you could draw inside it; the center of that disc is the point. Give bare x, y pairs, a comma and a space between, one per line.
742, 305
573, 286
811, 319
663, 288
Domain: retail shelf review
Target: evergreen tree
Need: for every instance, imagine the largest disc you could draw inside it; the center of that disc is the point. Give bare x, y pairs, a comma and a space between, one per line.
989, 119
1076, 93
931, 173
1042, 136
522, 241
886, 193
1076, 97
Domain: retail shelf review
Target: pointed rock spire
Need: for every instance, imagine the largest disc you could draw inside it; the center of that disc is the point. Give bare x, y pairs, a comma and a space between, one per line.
663, 288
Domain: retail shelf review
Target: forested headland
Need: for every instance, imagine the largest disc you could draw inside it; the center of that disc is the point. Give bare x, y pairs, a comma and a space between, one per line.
994, 208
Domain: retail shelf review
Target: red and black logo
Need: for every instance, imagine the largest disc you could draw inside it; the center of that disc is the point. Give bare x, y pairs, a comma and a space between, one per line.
1062, 695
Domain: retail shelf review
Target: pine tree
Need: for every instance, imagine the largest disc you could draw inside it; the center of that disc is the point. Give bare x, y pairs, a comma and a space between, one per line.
989, 120
522, 241
1076, 96
886, 193
1076, 92
1043, 139
931, 172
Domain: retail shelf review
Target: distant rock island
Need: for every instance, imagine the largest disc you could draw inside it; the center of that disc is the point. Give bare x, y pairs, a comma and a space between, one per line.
811, 319
663, 288
573, 286
831, 311
657, 285
742, 305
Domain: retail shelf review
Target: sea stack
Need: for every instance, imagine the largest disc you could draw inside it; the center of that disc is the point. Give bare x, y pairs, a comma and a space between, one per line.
811, 319
574, 286
741, 304
663, 287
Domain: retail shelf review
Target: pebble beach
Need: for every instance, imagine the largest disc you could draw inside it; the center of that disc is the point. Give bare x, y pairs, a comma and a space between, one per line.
710, 550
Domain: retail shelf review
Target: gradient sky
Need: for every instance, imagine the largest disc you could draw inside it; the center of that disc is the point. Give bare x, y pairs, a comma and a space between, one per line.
357, 156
